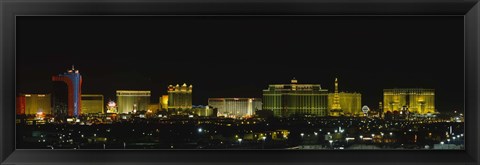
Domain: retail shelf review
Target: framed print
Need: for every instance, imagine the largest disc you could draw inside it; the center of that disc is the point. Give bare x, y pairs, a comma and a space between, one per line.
258, 82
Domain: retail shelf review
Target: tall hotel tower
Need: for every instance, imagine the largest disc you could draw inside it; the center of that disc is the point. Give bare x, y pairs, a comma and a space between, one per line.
73, 80
180, 97
295, 99
417, 100
131, 101
236, 107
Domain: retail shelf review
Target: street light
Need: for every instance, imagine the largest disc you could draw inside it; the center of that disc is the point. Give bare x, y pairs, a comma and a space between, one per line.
263, 142
331, 141
240, 141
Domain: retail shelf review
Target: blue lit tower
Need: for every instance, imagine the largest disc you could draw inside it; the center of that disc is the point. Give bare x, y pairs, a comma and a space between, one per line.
73, 79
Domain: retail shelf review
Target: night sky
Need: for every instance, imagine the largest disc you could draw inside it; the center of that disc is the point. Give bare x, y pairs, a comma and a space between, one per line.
239, 56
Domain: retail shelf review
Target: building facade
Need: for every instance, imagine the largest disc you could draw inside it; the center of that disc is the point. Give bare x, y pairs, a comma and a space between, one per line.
235, 107
343, 103
350, 103
295, 99
131, 101
73, 79
153, 108
163, 101
179, 97
204, 111
416, 100
92, 103
21, 102
31, 104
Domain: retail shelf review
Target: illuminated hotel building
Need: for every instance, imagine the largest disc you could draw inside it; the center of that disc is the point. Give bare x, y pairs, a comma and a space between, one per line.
153, 108
204, 111
20, 103
292, 99
235, 107
163, 101
132, 101
351, 103
417, 100
180, 97
92, 103
73, 80
342, 103
31, 104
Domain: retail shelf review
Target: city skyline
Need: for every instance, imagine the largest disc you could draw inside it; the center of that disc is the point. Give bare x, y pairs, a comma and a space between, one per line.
333, 83
165, 92
239, 57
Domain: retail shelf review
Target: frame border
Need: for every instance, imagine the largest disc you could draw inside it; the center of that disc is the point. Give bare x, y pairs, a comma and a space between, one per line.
470, 9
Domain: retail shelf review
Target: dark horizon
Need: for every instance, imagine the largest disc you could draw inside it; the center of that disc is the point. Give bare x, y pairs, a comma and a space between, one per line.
240, 56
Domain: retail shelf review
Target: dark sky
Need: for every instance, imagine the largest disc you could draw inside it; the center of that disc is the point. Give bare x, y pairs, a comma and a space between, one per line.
240, 56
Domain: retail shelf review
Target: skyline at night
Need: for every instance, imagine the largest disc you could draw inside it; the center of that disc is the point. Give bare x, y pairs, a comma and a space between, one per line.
250, 82
239, 57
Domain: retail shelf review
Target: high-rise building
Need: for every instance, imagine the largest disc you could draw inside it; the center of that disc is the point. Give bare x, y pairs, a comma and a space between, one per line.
351, 103
73, 80
164, 102
295, 99
35, 103
92, 103
204, 111
179, 97
416, 100
380, 109
60, 100
343, 103
235, 107
132, 101
21, 103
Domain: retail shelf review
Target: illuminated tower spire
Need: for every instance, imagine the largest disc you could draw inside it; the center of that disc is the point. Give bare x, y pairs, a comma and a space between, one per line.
336, 97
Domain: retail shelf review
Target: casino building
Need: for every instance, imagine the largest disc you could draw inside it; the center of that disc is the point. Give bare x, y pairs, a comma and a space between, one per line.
31, 104
416, 100
92, 103
163, 102
73, 81
343, 103
235, 107
179, 97
131, 101
295, 99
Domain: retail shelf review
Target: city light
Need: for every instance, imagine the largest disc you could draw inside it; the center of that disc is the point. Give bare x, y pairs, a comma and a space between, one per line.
135, 118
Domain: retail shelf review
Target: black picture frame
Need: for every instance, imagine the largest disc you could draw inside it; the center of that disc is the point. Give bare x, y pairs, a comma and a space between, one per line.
470, 9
